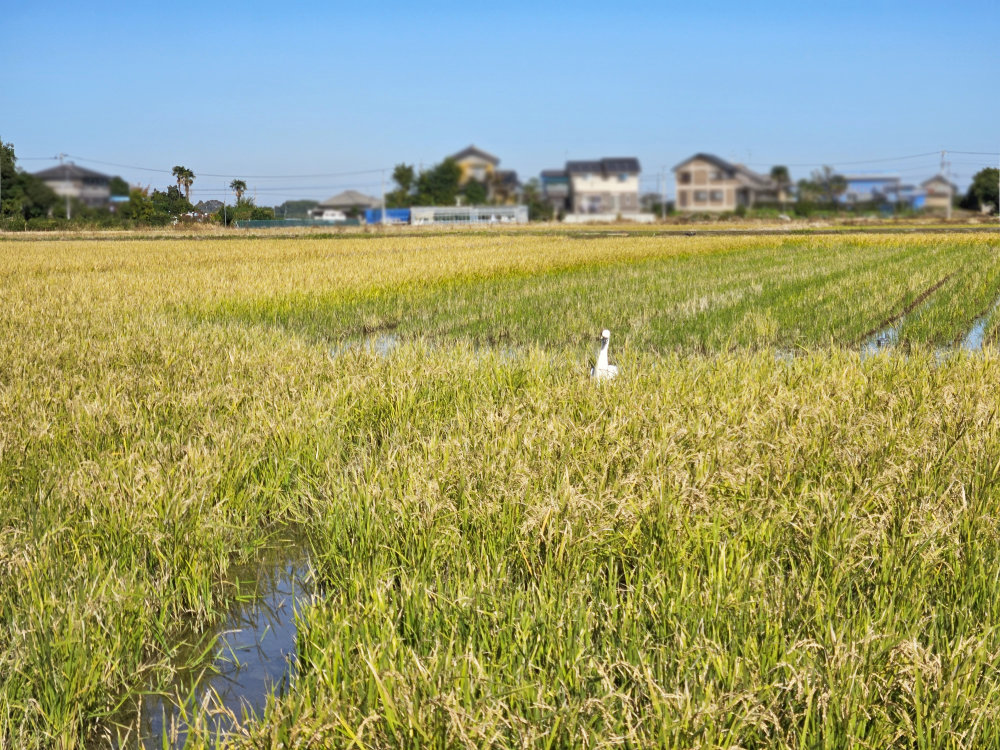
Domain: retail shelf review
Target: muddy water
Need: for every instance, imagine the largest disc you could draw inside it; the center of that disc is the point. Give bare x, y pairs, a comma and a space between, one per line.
254, 656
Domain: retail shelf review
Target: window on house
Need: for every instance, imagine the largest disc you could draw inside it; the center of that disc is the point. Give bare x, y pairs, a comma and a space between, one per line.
715, 176
622, 177
684, 178
716, 196
700, 196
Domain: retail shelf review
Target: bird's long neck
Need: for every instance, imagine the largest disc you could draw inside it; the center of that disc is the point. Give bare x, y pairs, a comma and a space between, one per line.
602, 357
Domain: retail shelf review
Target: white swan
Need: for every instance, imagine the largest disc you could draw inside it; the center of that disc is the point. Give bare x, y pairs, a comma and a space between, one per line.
602, 370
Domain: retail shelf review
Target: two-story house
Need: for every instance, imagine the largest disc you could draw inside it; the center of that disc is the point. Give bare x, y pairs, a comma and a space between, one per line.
939, 192
87, 186
607, 186
555, 190
707, 183
476, 164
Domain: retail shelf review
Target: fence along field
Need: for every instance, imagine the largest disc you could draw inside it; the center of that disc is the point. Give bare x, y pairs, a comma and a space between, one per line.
720, 547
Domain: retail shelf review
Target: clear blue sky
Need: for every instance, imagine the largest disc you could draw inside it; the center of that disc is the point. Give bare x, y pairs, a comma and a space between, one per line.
247, 89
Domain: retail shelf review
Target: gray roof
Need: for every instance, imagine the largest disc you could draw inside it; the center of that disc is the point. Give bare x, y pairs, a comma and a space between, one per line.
757, 177
507, 178
731, 170
350, 199
711, 159
471, 150
557, 173
607, 165
69, 171
942, 179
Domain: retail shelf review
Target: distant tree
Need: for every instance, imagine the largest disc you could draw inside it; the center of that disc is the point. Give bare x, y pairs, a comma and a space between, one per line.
539, 209
119, 186
139, 207
22, 193
439, 185
984, 191
404, 176
475, 193
782, 180
295, 209
824, 184
239, 187
185, 178
243, 210
170, 202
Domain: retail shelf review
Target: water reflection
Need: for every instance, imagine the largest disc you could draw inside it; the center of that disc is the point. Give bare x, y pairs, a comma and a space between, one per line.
254, 656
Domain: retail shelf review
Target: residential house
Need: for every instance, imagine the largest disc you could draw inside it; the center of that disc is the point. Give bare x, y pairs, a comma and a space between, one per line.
476, 164
939, 192
707, 183
555, 190
501, 185
345, 203
608, 186
91, 188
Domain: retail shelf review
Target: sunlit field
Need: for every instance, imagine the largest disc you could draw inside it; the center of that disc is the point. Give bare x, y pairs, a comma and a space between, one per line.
767, 531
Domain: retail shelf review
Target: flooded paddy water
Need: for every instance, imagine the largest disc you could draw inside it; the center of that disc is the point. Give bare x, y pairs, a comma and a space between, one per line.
253, 656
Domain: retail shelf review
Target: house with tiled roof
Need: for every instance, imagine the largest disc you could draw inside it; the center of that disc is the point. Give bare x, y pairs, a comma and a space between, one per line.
501, 184
604, 186
85, 185
707, 183
939, 192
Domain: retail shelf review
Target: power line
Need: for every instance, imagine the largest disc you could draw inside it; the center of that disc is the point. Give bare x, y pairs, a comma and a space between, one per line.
232, 174
833, 162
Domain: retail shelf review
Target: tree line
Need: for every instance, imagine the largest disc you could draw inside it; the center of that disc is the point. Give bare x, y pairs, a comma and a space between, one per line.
26, 202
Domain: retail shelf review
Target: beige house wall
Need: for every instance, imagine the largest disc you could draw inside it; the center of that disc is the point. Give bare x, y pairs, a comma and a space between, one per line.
702, 193
936, 200
937, 194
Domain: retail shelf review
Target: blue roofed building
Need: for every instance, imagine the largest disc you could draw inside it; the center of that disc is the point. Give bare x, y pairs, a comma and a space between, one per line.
872, 188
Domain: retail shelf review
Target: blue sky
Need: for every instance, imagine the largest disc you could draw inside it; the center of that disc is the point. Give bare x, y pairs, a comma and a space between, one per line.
269, 93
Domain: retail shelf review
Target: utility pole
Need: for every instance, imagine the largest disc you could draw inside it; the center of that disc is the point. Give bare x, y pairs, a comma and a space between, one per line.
66, 181
946, 173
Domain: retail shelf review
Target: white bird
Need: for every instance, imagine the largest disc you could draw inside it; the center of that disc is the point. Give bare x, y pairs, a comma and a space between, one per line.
602, 370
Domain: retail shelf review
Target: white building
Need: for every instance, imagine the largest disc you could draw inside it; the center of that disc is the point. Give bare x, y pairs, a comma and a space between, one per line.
609, 186
87, 186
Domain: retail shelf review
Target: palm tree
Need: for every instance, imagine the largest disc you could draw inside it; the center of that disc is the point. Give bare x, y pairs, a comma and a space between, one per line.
781, 180
239, 187
184, 179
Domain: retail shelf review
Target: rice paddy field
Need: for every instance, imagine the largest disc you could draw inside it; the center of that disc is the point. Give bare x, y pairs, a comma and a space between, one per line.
778, 527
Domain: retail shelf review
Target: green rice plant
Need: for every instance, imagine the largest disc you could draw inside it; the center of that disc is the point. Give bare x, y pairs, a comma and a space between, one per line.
720, 547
